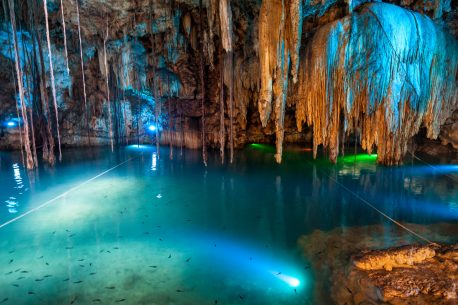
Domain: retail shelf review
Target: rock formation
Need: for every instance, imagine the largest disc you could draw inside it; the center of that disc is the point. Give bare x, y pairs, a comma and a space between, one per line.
273, 71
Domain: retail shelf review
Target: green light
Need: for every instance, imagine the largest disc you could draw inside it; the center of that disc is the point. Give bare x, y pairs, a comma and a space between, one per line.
361, 158
263, 147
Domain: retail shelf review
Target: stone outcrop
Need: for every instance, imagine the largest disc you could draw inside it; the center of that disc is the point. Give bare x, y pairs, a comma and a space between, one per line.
353, 266
406, 275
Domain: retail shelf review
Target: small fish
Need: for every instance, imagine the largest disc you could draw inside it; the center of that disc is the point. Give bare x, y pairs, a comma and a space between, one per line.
96, 300
11, 260
241, 297
307, 267
68, 248
4, 300
90, 264
108, 251
47, 264
110, 287
120, 300
216, 302
160, 239
54, 232
48, 275
101, 251
67, 230
170, 256
38, 280
92, 273
81, 260
188, 259
12, 251
15, 285
179, 290
153, 266
24, 271
116, 248
41, 257
17, 270
71, 235
8, 273
73, 301
66, 280
77, 282
20, 278
278, 273
295, 291
82, 266
31, 292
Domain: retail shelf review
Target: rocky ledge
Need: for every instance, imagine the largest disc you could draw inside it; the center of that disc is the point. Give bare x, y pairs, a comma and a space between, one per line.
406, 275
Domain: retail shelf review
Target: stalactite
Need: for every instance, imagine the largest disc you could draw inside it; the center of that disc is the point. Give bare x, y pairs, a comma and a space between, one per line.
386, 70
202, 84
231, 105
48, 152
14, 81
225, 20
65, 34
108, 87
280, 30
28, 64
222, 135
82, 70
29, 158
51, 71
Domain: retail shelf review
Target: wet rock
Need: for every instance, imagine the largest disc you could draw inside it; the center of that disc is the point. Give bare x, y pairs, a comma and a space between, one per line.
428, 276
406, 275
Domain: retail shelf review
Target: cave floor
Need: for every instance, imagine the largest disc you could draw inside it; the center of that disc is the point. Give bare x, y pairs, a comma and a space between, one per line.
159, 231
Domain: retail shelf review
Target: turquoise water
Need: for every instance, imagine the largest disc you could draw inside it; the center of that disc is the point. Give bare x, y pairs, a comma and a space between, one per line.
159, 231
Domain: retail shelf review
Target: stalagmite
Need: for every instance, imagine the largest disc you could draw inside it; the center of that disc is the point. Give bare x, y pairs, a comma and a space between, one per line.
108, 87
82, 69
51, 71
65, 34
415, 64
29, 158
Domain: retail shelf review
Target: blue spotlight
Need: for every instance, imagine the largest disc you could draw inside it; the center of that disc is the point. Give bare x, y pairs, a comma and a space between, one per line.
292, 281
10, 124
152, 127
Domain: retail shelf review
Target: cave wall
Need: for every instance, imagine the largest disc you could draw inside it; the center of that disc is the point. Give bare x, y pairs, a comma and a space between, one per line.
257, 54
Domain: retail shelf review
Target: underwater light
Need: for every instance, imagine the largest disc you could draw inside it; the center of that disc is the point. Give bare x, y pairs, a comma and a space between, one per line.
10, 124
361, 158
152, 127
290, 280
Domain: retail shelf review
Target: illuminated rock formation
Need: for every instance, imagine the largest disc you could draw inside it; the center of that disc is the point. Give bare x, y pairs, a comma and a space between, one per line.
380, 72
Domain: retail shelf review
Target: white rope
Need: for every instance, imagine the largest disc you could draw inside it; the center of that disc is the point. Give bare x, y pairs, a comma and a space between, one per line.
63, 194
378, 211
434, 167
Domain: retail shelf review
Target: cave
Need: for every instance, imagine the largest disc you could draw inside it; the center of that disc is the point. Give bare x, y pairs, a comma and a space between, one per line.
229, 152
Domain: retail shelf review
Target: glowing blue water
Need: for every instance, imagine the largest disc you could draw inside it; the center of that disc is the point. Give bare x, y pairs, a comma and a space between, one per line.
160, 231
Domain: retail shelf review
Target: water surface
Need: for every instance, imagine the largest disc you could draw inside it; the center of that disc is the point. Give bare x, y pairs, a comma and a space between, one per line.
159, 231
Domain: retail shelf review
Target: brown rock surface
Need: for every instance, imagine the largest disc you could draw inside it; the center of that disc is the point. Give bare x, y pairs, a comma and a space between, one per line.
420, 279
